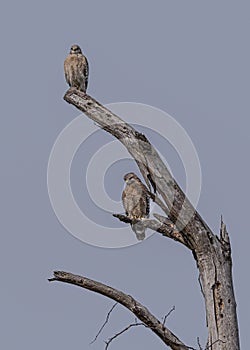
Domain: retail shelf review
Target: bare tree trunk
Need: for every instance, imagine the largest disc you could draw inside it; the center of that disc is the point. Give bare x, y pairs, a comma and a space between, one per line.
215, 266
212, 253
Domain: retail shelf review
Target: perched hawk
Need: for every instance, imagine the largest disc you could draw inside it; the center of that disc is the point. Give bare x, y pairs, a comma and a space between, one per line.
135, 200
76, 69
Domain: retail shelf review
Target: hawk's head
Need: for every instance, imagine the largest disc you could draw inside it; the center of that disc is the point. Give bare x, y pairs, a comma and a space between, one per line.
75, 49
130, 178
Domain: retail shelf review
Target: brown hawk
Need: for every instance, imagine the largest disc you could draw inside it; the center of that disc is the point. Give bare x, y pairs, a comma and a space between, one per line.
135, 200
76, 69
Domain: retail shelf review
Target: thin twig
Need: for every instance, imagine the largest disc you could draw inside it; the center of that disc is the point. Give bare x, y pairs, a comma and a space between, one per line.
104, 324
121, 332
167, 315
198, 342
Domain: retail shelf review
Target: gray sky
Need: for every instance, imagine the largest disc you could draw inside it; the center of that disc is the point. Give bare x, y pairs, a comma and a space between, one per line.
191, 60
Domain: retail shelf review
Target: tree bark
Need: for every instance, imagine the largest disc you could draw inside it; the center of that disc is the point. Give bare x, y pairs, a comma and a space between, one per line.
212, 253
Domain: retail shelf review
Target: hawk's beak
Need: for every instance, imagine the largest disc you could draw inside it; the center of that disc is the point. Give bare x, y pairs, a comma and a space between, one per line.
126, 180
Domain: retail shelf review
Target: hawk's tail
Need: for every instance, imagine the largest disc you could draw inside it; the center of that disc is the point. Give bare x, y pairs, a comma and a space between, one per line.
139, 230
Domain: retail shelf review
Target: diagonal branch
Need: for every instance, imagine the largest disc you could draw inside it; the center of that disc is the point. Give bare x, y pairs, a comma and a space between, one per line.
181, 212
140, 311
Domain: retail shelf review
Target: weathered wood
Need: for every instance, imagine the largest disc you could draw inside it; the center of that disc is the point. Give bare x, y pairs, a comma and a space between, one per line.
215, 266
140, 311
181, 212
213, 254
162, 225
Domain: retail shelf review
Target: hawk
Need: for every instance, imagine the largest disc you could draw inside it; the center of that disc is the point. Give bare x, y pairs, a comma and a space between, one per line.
76, 69
135, 200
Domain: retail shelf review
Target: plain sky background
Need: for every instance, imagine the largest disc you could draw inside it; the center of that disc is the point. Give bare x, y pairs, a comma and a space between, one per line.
188, 58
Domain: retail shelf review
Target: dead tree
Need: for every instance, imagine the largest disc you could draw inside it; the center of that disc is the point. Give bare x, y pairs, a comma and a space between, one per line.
182, 223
